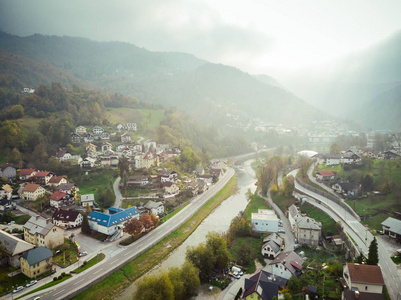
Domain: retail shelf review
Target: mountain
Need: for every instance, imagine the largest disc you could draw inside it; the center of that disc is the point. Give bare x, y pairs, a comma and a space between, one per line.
209, 91
363, 86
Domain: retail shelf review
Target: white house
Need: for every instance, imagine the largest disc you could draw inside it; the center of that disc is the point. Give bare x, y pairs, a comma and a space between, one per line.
332, 160
97, 130
125, 138
272, 246
67, 218
287, 264
80, 130
155, 208
33, 191
363, 278
87, 199
264, 221
88, 162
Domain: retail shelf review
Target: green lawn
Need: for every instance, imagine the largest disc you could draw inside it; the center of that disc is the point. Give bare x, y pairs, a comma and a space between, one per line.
282, 201
254, 205
256, 244
165, 218
71, 254
21, 220
328, 224
7, 283
151, 118
97, 180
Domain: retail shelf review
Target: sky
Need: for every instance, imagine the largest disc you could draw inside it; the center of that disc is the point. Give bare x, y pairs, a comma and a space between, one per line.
274, 37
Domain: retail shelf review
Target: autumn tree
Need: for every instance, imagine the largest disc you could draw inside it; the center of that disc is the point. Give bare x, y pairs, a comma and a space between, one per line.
88, 209
304, 163
154, 287
335, 149
289, 185
146, 221
155, 219
133, 226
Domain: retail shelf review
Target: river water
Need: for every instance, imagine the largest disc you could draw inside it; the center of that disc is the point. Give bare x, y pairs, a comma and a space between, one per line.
219, 220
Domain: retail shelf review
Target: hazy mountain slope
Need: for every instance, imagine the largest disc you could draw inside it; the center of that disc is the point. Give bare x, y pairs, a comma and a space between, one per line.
349, 87
172, 79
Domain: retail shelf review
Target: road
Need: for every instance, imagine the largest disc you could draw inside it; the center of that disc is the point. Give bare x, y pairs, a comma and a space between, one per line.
119, 196
117, 256
360, 234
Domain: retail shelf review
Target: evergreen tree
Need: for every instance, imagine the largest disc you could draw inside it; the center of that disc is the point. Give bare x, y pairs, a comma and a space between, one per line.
85, 229
373, 256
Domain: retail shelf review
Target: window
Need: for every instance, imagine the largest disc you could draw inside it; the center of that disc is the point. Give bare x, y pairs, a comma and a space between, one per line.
366, 288
37, 265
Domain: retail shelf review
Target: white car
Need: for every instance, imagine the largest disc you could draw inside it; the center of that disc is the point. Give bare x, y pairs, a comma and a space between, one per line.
83, 253
18, 289
31, 283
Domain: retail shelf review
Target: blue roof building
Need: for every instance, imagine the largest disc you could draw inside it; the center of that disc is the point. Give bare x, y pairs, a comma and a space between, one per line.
109, 223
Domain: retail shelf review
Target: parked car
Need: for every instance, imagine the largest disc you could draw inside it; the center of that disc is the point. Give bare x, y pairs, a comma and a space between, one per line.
36, 298
31, 283
18, 289
83, 253
296, 246
58, 251
281, 231
11, 223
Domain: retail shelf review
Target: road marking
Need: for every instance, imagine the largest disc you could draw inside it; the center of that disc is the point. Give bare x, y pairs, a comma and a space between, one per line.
97, 271
59, 292
79, 281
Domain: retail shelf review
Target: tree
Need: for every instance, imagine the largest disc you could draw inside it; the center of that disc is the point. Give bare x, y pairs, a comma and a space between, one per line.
244, 254
304, 163
155, 287
289, 185
155, 219
335, 149
249, 195
146, 221
133, 226
373, 256
367, 183
123, 165
218, 245
185, 280
88, 209
202, 258
85, 229
107, 198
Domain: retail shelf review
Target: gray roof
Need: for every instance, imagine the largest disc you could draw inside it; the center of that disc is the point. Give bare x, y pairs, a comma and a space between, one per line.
275, 247
293, 211
151, 204
308, 223
37, 255
394, 225
14, 245
39, 225
290, 259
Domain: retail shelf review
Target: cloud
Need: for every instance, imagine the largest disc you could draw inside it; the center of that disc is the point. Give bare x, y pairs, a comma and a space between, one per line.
177, 25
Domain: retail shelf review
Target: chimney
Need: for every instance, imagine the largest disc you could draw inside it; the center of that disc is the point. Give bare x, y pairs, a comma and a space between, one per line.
307, 220
356, 294
47, 221
37, 217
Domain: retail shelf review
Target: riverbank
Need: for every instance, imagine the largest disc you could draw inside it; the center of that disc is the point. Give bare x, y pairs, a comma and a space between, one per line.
118, 281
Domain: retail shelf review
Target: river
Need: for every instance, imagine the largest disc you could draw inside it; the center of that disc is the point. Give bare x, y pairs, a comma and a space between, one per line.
219, 220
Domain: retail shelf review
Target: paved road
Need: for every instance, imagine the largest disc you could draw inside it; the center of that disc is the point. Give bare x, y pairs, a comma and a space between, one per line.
117, 256
119, 196
361, 236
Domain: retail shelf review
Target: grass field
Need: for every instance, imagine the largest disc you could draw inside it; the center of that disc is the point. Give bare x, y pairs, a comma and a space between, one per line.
256, 244
95, 181
71, 254
121, 279
282, 201
151, 118
254, 205
8, 283
328, 224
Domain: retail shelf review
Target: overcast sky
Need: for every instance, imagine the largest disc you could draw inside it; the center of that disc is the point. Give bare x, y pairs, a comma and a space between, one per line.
267, 36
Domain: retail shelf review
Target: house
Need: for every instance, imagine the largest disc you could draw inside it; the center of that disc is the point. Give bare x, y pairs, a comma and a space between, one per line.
127, 152
25, 174
272, 246
106, 147
120, 148
138, 180
6, 204
137, 147
199, 170
55, 181
392, 227
15, 247
155, 208
42, 232
148, 144
88, 138
80, 130
287, 264
90, 147
363, 278
350, 189
109, 160
170, 188
264, 220
149, 160
125, 138
120, 126
194, 187
63, 155
331, 160
202, 185
6, 192
87, 199
97, 130
88, 162
216, 172
42, 177
130, 126
75, 138
391, 154
32, 191
69, 188
167, 175
105, 135
8, 171
92, 154
293, 215
325, 175
308, 231
208, 178
36, 262
217, 163
67, 218
59, 199
349, 157
110, 223
262, 286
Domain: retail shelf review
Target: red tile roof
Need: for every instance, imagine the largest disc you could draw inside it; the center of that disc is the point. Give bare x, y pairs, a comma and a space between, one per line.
57, 196
31, 187
27, 171
326, 173
41, 174
56, 179
365, 274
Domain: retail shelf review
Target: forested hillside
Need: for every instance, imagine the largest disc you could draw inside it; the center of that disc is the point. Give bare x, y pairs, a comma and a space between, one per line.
208, 91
